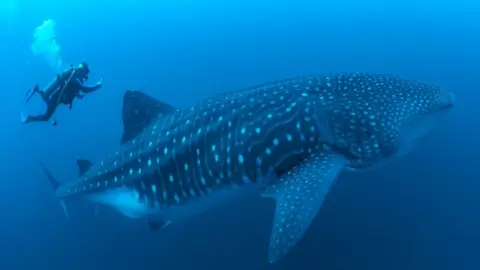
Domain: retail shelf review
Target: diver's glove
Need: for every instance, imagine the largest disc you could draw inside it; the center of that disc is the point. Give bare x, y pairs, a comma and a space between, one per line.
100, 83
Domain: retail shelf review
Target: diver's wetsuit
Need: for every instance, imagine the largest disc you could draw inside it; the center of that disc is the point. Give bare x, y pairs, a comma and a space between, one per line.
64, 89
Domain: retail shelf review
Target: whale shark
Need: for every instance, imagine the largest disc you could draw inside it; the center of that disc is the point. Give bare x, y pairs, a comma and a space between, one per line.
286, 140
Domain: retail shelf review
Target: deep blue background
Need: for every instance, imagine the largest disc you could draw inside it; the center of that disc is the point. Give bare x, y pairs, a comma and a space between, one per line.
418, 213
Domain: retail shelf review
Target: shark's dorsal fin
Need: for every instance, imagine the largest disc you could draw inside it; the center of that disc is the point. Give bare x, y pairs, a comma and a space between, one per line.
138, 111
83, 166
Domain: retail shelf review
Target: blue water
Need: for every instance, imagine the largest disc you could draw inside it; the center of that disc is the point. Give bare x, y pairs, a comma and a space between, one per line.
418, 213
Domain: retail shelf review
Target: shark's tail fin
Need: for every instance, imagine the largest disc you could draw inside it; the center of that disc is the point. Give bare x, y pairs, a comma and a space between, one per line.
53, 182
55, 185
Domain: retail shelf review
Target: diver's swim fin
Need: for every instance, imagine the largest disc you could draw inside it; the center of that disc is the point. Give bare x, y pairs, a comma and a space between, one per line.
23, 118
31, 92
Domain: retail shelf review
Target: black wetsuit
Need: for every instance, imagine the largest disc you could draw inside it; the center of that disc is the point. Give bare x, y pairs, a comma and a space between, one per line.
63, 90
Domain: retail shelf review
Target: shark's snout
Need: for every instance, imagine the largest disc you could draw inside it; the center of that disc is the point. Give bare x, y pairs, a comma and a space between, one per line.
452, 98
449, 101
445, 101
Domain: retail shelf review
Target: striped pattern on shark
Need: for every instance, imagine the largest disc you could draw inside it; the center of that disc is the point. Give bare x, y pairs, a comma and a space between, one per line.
287, 140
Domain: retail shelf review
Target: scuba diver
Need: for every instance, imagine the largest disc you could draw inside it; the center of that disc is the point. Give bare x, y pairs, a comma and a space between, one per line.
62, 90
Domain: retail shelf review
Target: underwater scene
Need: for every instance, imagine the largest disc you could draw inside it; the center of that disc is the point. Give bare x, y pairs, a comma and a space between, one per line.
325, 135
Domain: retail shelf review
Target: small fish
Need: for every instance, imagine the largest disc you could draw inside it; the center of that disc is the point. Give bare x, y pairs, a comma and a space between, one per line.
287, 140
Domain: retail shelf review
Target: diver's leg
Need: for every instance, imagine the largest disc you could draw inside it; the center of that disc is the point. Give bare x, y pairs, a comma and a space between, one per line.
35, 90
44, 96
51, 107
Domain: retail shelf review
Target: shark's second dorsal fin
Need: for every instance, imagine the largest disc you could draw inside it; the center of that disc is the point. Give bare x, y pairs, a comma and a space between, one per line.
138, 111
83, 166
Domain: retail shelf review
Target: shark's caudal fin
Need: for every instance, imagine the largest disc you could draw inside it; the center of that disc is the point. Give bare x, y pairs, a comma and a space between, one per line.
299, 196
53, 182
155, 225
139, 110
55, 185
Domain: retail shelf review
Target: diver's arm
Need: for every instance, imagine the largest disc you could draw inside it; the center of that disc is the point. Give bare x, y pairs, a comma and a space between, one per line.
88, 89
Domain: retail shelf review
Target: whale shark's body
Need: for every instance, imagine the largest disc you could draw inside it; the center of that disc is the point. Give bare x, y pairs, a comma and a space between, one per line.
288, 140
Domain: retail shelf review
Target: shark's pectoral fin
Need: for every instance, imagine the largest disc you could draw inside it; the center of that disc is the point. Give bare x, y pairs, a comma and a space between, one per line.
138, 111
299, 196
83, 166
155, 225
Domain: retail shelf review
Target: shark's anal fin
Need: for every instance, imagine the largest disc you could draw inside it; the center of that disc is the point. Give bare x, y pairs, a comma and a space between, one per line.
155, 225
83, 166
138, 111
299, 196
